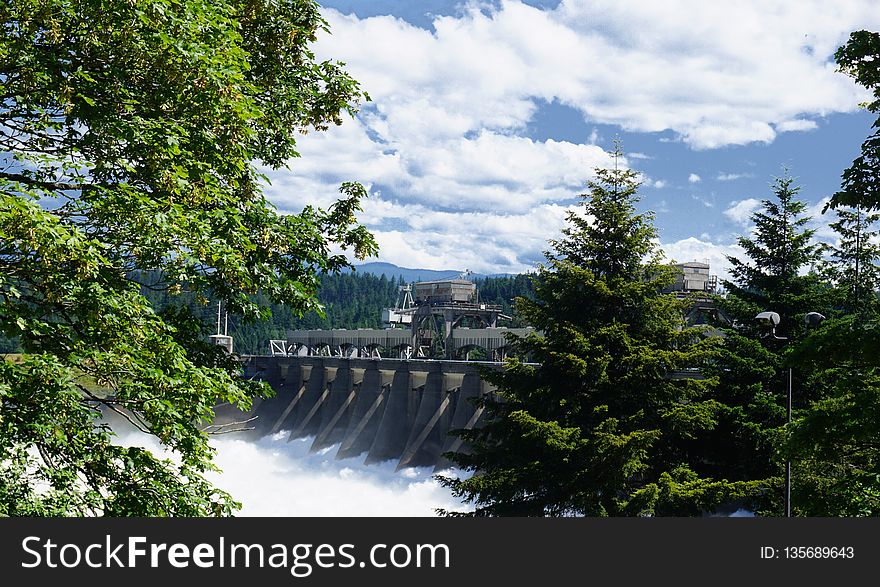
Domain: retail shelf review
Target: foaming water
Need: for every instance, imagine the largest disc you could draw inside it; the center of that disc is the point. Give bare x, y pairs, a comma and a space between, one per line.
273, 477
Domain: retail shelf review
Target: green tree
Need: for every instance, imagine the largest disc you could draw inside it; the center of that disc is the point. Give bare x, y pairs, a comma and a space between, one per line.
132, 133
753, 367
778, 253
607, 423
860, 59
833, 443
852, 264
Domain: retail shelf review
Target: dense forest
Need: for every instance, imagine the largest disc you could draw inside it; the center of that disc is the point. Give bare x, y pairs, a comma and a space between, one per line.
350, 300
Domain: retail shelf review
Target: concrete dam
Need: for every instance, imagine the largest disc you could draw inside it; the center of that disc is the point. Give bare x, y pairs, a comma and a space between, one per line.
383, 409
397, 393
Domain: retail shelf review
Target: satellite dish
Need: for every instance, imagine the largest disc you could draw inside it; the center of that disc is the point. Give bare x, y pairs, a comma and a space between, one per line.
813, 319
770, 318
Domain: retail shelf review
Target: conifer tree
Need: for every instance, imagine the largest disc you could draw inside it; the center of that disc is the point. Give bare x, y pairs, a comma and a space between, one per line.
753, 367
604, 424
860, 59
851, 266
834, 443
778, 253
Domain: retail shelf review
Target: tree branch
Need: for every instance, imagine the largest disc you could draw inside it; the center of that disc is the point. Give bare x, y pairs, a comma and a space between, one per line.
47, 185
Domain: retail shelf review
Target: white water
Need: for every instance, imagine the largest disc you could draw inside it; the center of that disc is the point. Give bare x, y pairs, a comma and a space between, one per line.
273, 477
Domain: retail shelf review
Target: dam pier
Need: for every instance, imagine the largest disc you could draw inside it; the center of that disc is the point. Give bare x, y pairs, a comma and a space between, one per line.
377, 409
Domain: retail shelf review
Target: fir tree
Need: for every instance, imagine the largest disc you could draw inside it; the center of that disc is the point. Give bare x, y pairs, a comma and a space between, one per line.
851, 266
860, 59
605, 424
753, 368
778, 253
833, 444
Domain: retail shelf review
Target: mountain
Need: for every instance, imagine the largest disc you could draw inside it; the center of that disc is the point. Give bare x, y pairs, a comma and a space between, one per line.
392, 271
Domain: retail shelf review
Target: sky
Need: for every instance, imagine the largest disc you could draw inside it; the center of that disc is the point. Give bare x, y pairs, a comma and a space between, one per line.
488, 118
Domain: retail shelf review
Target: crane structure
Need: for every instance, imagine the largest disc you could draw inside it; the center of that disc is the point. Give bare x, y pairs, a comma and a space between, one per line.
439, 307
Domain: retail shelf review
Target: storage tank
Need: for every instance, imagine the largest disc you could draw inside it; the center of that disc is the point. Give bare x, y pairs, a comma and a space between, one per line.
448, 291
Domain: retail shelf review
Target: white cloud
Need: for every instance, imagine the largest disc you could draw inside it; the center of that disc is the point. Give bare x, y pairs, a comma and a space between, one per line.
660, 184
443, 145
820, 222
484, 242
733, 176
741, 211
486, 171
708, 202
713, 73
716, 73
796, 125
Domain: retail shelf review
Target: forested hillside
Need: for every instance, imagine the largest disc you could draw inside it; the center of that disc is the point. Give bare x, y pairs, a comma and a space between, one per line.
350, 300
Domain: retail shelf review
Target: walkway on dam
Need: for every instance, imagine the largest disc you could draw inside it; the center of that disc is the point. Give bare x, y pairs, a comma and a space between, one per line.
395, 342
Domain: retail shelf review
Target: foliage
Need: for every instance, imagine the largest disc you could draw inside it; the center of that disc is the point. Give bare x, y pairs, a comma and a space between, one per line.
751, 382
778, 253
860, 59
609, 422
753, 370
831, 442
503, 291
850, 267
131, 135
834, 445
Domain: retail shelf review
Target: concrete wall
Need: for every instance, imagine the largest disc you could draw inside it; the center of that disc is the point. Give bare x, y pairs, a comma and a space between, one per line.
310, 342
375, 409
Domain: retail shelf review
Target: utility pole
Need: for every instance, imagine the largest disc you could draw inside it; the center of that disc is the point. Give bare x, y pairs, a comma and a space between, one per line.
788, 461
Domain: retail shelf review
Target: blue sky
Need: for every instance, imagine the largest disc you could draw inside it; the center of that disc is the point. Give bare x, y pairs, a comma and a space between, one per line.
488, 118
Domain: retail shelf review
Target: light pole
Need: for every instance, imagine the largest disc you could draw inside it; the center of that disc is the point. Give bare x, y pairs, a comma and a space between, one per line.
770, 321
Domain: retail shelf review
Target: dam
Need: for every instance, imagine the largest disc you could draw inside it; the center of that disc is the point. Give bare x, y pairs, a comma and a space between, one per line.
400, 410
400, 393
